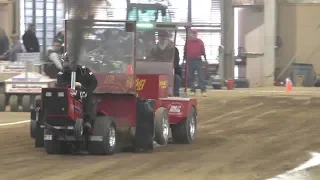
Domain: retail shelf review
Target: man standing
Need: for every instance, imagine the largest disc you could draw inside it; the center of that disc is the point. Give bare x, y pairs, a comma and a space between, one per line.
53, 62
30, 41
17, 47
193, 50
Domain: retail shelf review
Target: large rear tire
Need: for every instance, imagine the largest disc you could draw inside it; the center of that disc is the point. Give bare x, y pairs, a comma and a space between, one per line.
104, 137
33, 128
2, 102
54, 146
161, 126
185, 131
78, 129
14, 104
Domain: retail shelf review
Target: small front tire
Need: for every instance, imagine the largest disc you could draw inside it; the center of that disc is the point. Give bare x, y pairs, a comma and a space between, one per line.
185, 131
103, 140
161, 126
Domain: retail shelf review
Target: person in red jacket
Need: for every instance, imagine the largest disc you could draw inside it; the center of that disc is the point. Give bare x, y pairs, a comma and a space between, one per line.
193, 52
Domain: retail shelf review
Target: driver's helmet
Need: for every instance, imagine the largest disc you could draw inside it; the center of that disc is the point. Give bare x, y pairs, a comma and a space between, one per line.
67, 62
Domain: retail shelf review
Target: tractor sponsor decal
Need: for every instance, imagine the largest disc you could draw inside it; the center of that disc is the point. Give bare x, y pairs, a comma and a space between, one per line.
30, 90
175, 108
109, 80
163, 84
25, 88
140, 84
129, 82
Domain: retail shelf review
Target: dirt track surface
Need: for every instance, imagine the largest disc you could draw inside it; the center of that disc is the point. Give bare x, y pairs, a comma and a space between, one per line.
240, 137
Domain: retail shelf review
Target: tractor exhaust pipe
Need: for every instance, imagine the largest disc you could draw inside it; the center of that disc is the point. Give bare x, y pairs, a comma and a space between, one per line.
73, 80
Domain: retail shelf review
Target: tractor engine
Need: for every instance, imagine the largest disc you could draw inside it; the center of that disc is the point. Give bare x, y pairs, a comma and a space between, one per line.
61, 106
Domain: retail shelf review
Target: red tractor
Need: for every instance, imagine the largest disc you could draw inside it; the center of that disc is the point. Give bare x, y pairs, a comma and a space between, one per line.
133, 102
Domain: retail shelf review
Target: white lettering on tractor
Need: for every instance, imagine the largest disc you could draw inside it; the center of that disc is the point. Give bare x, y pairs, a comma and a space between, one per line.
175, 109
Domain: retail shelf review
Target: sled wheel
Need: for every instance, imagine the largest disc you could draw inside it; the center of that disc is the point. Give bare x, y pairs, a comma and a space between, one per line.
185, 131
161, 126
2, 102
13, 102
53, 146
26, 104
78, 129
103, 140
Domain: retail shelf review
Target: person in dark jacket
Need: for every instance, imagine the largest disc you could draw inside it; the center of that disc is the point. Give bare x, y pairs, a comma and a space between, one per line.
30, 40
53, 62
88, 84
4, 41
177, 73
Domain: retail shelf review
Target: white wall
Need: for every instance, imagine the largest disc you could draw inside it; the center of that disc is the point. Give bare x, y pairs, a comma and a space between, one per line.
251, 37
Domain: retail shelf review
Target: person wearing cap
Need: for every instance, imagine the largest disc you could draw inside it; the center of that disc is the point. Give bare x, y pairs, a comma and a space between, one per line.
164, 49
30, 39
17, 47
193, 52
88, 83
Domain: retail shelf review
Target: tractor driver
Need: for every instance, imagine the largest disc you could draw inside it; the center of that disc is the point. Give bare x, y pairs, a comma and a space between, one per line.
164, 49
88, 84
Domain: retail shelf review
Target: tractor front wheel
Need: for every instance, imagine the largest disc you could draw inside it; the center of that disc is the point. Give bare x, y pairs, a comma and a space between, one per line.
78, 129
103, 140
161, 126
185, 131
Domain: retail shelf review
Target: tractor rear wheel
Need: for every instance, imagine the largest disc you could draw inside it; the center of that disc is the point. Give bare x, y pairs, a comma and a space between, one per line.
33, 127
26, 103
2, 102
78, 129
14, 104
185, 131
53, 146
161, 126
103, 140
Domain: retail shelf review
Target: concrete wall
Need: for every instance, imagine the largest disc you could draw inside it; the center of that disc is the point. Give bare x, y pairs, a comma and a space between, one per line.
299, 29
251, 37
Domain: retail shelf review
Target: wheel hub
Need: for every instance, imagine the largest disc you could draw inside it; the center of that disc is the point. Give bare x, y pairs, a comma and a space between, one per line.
192, 127
112, 136
165, 128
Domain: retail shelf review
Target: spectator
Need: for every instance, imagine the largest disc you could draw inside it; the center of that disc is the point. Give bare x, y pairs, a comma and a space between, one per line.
53, 62
193, 51
60, 38
17, 47
4, 41
30, 39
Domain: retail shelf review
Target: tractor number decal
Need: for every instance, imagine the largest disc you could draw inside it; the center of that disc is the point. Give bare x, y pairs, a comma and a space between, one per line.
163, 84
109, 80
140, 84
